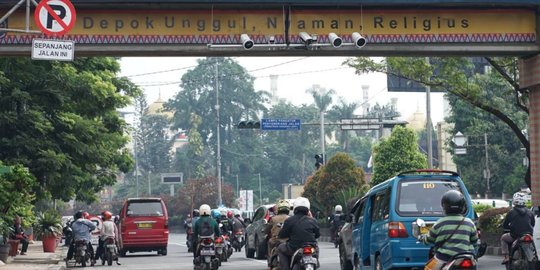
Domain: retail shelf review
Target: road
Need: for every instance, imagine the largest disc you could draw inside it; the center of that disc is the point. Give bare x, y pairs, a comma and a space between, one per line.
179, 258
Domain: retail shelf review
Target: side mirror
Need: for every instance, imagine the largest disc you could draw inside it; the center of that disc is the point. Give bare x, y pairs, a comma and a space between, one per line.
247, 220
537, 211
349, 218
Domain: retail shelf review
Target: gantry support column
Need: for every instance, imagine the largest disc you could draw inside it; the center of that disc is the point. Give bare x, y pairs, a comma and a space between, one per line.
529, 77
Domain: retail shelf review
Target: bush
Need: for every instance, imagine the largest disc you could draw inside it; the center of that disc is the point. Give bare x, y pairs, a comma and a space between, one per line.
491, 220
481, 208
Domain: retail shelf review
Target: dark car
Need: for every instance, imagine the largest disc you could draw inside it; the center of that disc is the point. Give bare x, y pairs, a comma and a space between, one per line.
345, 240
256, 242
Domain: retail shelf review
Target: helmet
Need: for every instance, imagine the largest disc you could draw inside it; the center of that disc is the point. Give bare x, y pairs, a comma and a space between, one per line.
216, 214
188, 215
223, 212
338, 208
237, 213
283, 206
86, 215
195, 212
453, 202
78, 214
519, 199
229, 214
204, 210
301, 202
107, 215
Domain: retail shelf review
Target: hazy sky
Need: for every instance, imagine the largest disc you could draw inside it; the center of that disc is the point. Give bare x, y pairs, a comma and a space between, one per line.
295, 75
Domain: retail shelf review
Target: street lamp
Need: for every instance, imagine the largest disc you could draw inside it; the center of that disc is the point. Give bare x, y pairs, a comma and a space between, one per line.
461, 141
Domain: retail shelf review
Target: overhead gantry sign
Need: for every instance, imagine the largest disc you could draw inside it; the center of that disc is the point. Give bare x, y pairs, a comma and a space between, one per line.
306, 30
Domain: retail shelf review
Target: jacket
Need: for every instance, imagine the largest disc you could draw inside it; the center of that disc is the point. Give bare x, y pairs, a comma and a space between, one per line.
519, 221
211, 221
275, 224
452, 235
82, 228
300, 229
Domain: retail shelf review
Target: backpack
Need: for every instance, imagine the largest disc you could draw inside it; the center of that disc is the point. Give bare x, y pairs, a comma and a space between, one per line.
206, 228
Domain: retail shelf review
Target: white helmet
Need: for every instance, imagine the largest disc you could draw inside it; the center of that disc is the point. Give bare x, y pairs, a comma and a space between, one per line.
338, 208
519, 199
204, 210
301, 201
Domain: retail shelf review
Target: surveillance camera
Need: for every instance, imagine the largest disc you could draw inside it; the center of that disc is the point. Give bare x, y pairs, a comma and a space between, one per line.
335, 40
247, 43
359, 40
271, 39
306, 38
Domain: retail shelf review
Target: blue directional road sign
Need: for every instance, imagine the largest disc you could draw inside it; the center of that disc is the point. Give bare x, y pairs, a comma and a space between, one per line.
280, 124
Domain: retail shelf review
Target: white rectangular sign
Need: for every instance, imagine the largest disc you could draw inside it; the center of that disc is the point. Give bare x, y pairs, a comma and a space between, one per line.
245, 201
47, 49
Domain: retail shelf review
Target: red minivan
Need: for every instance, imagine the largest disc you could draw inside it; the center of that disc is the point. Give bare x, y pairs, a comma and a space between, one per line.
143, 226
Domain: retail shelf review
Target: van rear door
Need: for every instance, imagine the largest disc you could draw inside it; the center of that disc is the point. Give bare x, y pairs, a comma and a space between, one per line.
145, 219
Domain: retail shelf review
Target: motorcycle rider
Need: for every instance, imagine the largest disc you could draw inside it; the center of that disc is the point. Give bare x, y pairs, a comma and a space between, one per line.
81, 228
237, 222
205, 226
336, 221
300, 228
519, 221
452, 234
108, 229
275, 224
226, 222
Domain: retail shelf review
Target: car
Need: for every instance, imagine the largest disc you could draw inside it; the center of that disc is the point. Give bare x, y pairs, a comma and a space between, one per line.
345, 239
256, 242
384, 229
143, 226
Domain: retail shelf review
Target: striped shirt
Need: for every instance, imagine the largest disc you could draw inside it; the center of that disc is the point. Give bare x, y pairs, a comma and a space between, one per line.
461, 241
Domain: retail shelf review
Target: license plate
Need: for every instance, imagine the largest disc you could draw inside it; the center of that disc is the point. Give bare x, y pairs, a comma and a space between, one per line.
144, 225
94, 240
309, 260
207, 252
111, 246
425, 230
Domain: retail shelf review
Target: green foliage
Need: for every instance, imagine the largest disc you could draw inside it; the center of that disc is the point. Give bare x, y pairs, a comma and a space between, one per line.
49, 223
5, 230
481, 208
65, 127
339, 174
16, 195
347, 198
397, 153
491, 220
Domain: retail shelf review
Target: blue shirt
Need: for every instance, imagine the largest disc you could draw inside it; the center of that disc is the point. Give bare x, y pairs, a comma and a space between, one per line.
82, 228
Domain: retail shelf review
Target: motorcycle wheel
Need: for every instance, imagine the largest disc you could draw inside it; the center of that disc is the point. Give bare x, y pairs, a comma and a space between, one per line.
259, 250
344, 263
249, 252
109, 259
378, 264
207, 266
83, 263
102, 259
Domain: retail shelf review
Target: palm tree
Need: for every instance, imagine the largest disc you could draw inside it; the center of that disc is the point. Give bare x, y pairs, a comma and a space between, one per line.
343, 110
323, 99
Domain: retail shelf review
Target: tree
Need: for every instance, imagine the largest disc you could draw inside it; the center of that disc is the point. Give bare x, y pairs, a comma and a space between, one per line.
16, 193
397, 153
60, 120
456, 76
343, 110
204, 190
339, 174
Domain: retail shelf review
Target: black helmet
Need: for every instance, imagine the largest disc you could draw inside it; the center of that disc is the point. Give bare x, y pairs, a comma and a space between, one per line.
78, 214
453, 202
195, 212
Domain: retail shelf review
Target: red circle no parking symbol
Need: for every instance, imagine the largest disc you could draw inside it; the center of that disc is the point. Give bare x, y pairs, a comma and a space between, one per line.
55, 17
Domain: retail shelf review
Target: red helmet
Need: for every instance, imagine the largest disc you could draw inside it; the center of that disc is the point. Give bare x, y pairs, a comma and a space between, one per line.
107, 215
86, 215
229, 214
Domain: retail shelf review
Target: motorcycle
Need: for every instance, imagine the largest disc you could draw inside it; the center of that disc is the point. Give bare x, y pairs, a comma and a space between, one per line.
238, 240
207, 254
336, 236
189, 240
110, 252
522, 254
461, 261
228, 247
68, 233
305, 258
81, 256
273, 259
220, 246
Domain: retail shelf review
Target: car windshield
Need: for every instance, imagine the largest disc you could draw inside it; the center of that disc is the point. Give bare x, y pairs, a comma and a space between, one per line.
423, 197
145, 209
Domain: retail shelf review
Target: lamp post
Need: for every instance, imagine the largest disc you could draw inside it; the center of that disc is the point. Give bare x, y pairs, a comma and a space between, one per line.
260, 189
218, 158
461, 141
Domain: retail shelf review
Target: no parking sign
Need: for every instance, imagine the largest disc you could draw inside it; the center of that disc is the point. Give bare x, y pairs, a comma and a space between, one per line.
55, 17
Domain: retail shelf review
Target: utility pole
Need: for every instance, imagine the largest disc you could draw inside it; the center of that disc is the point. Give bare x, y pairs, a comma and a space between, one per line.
220, 202
488, 173
322, 137
136, 164
237, 187
260, 190
428, 124
149, 183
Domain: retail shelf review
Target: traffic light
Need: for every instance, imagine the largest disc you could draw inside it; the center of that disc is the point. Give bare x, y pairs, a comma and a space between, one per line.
249, 125
319, 160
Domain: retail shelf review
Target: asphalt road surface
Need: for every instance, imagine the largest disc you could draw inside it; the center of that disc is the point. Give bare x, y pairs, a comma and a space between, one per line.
178, 258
